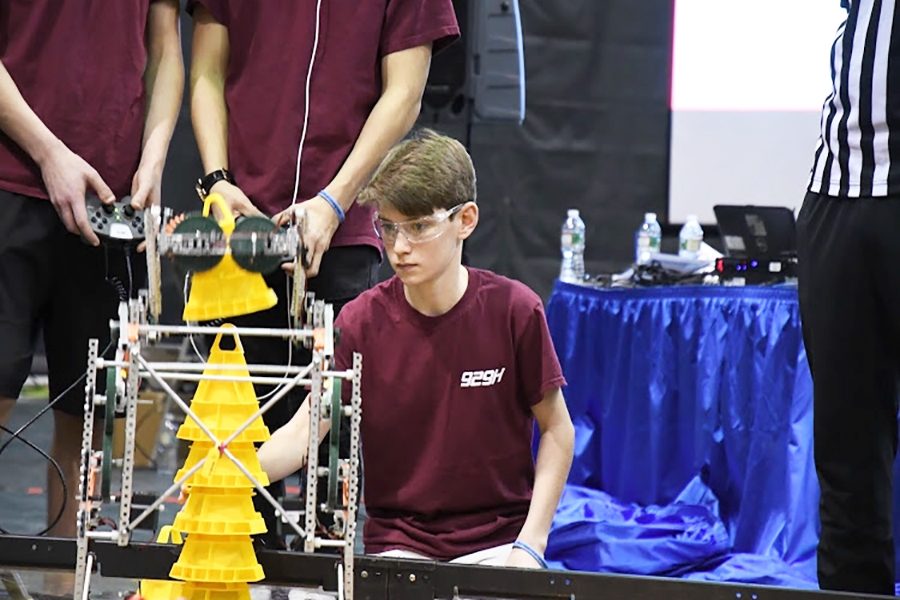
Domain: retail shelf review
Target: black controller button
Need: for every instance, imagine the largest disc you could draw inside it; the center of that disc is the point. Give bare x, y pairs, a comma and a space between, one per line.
129, 210
108, 208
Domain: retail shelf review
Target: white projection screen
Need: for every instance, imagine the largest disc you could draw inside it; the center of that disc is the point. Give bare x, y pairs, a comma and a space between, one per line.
748, 81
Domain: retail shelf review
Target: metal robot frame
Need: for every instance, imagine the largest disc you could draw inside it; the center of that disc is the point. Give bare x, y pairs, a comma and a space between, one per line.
133, 332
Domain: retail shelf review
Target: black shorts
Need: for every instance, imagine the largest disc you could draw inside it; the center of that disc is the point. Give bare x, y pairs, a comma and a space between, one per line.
51, 281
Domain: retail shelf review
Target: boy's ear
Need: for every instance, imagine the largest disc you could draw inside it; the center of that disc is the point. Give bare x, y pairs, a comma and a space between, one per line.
468, 220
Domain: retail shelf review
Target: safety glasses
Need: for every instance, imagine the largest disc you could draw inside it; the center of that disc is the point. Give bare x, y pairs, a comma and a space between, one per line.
415, 231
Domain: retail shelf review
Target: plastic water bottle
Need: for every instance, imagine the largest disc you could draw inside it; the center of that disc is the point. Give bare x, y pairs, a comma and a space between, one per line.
647, 239
690, 238
572, 245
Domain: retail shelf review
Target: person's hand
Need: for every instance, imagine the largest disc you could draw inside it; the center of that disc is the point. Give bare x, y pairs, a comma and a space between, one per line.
236, 199
520, 559
67, 177
146, 190
319, 224
146, 187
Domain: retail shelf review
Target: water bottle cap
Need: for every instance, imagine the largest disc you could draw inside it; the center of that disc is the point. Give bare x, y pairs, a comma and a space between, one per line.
572, 212
650, 216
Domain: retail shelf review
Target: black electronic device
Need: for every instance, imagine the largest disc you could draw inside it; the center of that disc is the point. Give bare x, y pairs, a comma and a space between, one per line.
752, 271
118, 222
757, 232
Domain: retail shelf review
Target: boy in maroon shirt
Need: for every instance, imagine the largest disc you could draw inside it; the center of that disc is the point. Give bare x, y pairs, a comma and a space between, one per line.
89, 95
457, 366
346, 77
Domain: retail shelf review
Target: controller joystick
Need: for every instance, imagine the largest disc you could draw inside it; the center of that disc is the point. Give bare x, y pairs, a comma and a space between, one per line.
118, 222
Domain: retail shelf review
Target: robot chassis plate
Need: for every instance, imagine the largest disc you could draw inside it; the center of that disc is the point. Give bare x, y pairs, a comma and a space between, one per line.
313, 325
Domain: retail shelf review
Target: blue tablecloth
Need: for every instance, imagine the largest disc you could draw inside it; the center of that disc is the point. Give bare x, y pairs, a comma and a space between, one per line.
676, 392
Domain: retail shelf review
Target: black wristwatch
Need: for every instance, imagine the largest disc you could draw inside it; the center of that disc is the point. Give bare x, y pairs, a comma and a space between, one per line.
205, 183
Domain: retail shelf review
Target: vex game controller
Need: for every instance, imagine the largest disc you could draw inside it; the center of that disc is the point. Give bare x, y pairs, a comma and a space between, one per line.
117, 222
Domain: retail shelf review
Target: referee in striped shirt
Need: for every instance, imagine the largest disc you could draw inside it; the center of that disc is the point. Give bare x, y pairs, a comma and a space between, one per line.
849, 247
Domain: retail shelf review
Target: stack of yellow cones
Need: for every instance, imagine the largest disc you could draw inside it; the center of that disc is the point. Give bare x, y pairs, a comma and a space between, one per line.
217, 559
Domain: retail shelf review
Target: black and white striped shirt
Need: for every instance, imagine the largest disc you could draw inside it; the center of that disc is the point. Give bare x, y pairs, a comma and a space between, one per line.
859, 149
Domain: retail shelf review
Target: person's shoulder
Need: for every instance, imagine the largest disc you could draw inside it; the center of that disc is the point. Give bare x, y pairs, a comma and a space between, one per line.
511, 292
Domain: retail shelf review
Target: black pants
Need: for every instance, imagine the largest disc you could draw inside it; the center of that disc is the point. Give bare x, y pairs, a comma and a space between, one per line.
850, 302
345, 273
51, 280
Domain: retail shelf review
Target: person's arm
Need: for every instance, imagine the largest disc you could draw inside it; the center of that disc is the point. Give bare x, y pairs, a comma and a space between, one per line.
554, 458
285, 452
66, 175
209, 114
404, 75
163, 84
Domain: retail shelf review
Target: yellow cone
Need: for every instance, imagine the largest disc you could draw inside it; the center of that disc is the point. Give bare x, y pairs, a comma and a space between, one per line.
219, 512
220, 471
226, 290
223, 406
217, 559
216, 591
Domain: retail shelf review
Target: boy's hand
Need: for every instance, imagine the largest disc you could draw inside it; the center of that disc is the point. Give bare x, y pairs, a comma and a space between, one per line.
67, 176
319, 224
236, 199
184, 493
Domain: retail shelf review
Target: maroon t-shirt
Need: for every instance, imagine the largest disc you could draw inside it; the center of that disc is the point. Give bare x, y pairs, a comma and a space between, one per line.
447, 423
79, 64
270, 46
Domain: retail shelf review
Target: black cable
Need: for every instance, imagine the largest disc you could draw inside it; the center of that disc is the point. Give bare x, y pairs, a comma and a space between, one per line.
17, 434
124, 295
59, 472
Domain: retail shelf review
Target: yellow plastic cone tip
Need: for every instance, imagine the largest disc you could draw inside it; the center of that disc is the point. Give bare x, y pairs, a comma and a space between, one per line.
212, 511
219, 471
217, 559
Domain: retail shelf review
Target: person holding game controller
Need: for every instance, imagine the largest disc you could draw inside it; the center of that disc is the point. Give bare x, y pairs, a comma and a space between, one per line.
81, 114
293, 107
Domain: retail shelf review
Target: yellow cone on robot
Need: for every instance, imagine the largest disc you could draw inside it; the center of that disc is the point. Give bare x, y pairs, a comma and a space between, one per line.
217, 559
223, 420
212, 511
219, 471
224, 406
226, 290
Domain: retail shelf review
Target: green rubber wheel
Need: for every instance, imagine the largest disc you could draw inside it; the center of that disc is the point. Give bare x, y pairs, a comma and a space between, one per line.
108, 428
242, 245
334, 441
196, 224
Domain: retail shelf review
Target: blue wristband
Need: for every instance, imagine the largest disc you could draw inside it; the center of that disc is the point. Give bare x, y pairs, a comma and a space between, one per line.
531, 552
334, 204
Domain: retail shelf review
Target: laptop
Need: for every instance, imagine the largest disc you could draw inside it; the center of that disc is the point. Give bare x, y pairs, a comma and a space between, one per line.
757, 231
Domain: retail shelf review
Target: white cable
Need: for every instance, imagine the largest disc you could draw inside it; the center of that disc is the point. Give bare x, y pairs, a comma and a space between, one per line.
290, 345
309, 71
187, 278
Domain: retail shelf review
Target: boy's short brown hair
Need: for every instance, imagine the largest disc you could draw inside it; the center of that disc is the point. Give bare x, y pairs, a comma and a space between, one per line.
421, 174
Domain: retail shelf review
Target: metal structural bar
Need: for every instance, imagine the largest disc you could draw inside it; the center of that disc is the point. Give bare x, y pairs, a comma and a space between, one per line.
393, 579
200, 330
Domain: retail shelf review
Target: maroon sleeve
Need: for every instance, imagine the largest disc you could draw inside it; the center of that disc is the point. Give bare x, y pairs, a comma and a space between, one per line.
411, 23
217, 8
536, 361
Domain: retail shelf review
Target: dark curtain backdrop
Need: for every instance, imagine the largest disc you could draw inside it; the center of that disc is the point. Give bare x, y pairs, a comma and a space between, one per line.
595, 137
